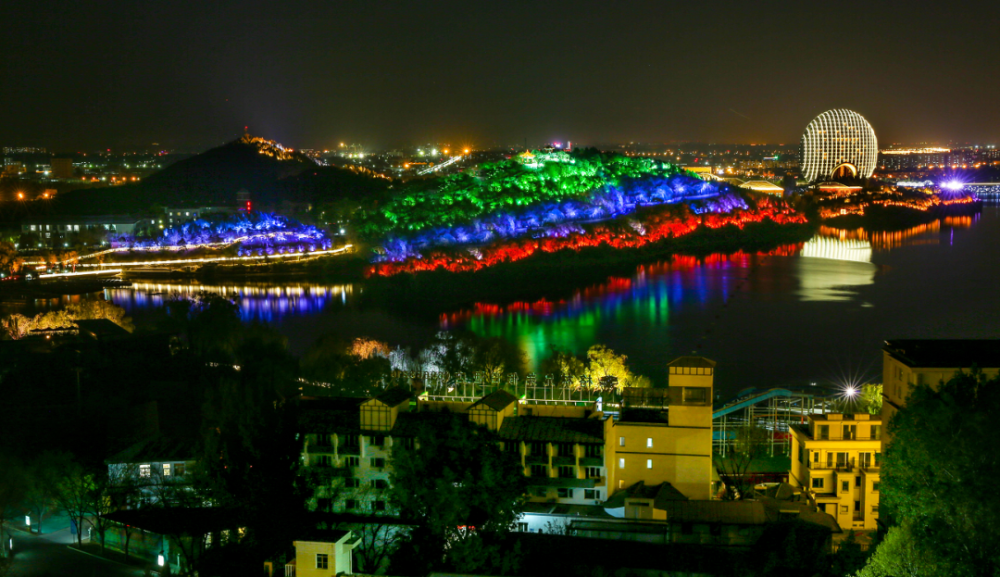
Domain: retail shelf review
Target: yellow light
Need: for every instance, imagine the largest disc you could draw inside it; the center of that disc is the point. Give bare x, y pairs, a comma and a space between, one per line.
20, 196
466, 151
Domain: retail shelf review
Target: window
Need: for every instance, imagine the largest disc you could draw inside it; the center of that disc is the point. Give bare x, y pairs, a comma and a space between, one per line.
621, 441
621, 463
32, 227
845, 486
850, 432
144, 470
649, 442
378, 463
649, 463
349, 441
538, 448
593, 451
178, 469
591, 494
844, 509
378, 505
593, 472
817, 483
815, 456
539, 470
352, 461
875, 486
822, 432
380, 484
567, 472
324, 461
565, 493
322, 561
166, 469
695, 394
512, 447
522, 527
378, 440
857, 481
351, 504
876, 432
878, 459
352, 482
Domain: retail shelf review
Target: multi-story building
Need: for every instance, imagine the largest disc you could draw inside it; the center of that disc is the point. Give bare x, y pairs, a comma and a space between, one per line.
571, 455
835, 459
156, 469
61, 231
907, 363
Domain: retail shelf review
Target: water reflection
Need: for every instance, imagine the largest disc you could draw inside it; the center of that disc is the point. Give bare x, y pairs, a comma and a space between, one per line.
262, 302
923, 234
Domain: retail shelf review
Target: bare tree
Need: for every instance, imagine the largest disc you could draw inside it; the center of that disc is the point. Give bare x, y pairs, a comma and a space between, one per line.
74, 495
748, 445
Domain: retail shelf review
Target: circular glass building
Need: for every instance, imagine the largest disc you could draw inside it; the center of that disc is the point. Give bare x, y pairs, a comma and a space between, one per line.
837, 144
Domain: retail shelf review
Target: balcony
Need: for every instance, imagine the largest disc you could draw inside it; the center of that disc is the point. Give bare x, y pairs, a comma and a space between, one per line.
591, 461
314, 449
841, 466
536, 460
556, 461
352, 450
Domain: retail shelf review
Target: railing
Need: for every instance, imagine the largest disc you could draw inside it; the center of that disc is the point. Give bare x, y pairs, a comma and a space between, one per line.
319, 449
847, 465
847, 438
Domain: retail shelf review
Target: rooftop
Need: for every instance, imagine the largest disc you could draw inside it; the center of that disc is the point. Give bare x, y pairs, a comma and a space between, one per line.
497, 400
945, 353
660, 494
553, 430
156, 449
692, 361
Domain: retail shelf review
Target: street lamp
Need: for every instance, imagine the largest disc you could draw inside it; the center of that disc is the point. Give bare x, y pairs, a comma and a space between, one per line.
159, 558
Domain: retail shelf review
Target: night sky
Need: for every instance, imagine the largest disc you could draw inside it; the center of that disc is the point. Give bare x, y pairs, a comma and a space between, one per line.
98, 74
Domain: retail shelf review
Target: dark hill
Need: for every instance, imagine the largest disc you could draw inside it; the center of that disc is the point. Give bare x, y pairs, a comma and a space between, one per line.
208, 179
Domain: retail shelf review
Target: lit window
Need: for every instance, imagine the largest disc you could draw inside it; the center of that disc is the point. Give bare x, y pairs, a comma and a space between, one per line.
166, 469
621, 441
322, 561
144, 470
649, 463
649, 442
621, 463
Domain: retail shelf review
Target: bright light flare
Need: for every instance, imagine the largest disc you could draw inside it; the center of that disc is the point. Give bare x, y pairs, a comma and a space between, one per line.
953, 185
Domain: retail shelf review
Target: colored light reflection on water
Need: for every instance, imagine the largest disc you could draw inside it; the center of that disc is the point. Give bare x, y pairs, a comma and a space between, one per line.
267, 303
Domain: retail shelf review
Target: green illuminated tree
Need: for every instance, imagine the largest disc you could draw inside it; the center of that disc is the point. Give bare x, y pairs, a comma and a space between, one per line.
898, 555
939, 471
871, 398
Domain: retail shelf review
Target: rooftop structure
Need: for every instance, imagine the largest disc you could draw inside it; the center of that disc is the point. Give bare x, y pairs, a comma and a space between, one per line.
838, 143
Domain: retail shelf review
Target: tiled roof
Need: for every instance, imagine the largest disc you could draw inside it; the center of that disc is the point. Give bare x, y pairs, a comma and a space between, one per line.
553, 429
660, 494
157, 449
691, 361
726, 512
394, 396
497, 400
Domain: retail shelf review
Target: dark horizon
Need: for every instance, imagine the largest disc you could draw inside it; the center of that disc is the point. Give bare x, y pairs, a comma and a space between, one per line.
313, 74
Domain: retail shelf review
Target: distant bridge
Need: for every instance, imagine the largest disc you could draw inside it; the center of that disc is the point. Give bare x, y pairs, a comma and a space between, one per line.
984, 189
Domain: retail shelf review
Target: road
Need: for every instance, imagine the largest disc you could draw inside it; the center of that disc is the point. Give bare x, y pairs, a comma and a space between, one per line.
49, 556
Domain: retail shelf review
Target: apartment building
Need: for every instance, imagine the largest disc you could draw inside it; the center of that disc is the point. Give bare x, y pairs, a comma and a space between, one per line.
907, 363
835, 459
573, 456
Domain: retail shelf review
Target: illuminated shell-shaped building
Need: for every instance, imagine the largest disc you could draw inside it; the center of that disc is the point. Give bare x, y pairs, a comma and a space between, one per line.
837, 144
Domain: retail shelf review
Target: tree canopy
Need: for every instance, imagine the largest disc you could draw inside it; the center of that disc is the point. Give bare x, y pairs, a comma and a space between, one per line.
939, 471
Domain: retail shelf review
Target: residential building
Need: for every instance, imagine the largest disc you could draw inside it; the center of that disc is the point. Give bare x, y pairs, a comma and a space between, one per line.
835, 459
322, 555
907, 363
155, 469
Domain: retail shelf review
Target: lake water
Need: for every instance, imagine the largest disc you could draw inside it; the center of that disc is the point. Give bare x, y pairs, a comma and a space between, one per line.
811, 313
